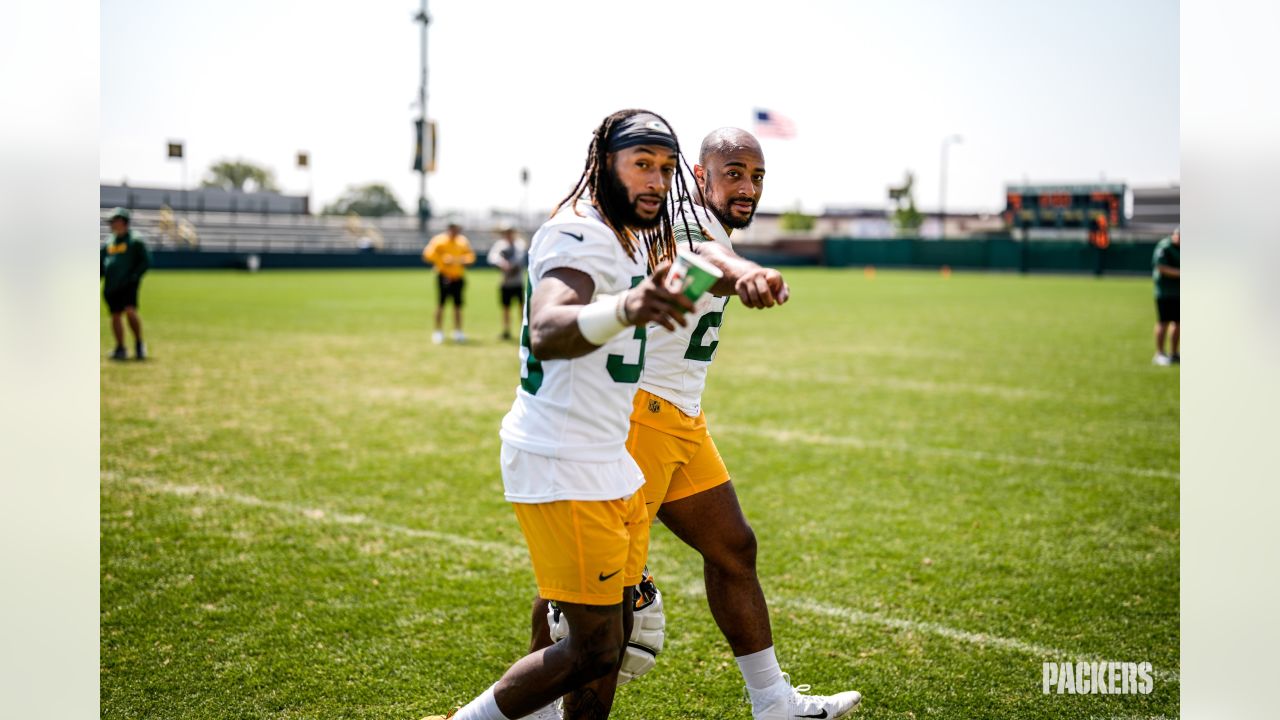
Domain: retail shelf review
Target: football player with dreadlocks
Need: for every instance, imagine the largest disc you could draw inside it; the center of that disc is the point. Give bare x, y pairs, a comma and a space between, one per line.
687, 485
596, 282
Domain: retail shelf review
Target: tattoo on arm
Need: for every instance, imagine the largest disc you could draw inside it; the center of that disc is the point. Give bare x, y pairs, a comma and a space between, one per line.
584, 704
553, 314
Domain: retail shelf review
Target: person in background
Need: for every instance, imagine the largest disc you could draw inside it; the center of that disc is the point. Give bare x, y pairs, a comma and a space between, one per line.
509, 254
450, 253
1165, 261
123, 262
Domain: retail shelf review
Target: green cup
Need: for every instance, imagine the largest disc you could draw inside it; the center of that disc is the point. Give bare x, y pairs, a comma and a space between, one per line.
691, 275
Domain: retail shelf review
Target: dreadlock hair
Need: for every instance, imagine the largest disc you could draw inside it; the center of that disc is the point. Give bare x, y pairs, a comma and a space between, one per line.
658, 241
685, 204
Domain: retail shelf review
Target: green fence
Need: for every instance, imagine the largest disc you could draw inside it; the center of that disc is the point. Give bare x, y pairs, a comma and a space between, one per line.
196, 259
990, 254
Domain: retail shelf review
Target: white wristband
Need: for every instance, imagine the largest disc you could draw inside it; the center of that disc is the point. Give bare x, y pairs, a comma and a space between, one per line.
598, 321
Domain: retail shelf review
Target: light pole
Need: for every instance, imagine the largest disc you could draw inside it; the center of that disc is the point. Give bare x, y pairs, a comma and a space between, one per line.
424, 210
304, 163
524, 198
942, 186
177, 150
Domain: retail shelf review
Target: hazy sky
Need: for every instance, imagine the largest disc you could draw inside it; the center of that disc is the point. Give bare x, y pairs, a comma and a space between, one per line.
1048, 91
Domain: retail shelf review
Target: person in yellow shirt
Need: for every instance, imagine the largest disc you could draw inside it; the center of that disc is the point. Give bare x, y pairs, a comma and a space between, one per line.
450, 253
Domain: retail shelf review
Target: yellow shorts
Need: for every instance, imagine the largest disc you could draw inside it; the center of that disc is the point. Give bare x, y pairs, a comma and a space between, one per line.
674, 451
586, 551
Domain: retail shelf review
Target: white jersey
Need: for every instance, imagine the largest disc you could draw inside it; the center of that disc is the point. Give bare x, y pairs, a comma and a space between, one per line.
578, 409
676, 361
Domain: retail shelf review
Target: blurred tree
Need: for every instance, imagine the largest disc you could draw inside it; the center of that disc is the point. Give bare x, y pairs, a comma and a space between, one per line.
906, 218
236, 174
796, 221
371, 200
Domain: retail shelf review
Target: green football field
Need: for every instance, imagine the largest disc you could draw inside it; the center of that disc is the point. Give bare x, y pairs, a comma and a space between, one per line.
953, 481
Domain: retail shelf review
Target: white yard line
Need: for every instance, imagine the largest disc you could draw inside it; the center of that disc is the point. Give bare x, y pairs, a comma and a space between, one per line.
861, 617
1043, 652
690, 588
320, 515
1005, 392
949, 387
793, 436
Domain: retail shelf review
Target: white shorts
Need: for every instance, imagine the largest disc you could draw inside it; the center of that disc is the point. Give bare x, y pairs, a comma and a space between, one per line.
531, 478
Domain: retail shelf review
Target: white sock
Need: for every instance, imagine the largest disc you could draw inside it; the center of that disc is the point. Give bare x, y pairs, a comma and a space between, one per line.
484, 707
762, 674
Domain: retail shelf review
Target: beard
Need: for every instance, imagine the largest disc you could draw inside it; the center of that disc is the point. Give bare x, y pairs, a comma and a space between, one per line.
618, 200
724, 212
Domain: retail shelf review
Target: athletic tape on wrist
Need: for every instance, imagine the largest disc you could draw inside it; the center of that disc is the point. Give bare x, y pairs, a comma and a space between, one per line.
598, 321
620, 310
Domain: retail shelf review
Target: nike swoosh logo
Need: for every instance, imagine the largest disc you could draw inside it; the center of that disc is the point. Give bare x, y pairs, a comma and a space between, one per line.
824, 714
604, 577
575, 237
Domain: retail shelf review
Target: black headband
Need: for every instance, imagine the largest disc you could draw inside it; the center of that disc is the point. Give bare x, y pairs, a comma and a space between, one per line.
640, 129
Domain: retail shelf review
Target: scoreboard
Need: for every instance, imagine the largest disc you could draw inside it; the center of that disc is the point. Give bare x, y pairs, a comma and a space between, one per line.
1064, 206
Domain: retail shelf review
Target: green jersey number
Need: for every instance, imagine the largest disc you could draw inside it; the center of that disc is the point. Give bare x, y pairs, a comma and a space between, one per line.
531, 379
620, 370
698, 351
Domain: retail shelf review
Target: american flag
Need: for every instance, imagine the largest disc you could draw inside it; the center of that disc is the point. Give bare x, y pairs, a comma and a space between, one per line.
771, 124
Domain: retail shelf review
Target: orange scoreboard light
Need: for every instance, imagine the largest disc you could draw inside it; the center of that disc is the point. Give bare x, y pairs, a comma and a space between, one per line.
1064, 206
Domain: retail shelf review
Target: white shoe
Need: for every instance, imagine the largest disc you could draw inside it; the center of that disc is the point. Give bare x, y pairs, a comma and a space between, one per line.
458, 336
1161, 359
548, 712
437, 337
792, 704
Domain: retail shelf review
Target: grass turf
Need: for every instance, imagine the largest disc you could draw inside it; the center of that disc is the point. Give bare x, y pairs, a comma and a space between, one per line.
953, 480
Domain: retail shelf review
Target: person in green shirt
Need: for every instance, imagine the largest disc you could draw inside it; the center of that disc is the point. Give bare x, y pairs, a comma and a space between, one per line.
123, 262
1165, 264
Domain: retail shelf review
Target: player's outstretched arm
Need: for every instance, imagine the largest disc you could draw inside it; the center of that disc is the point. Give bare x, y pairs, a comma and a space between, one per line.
755, 285
565, 323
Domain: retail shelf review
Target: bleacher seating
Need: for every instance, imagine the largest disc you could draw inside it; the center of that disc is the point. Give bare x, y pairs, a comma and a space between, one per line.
241, 232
